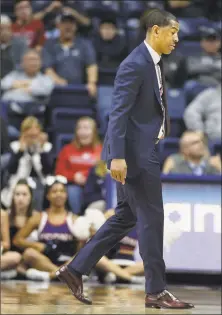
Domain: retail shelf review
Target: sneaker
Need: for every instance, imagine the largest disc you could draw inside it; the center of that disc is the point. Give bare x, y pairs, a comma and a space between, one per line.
34, 274
8, 274
138, 280
110, 277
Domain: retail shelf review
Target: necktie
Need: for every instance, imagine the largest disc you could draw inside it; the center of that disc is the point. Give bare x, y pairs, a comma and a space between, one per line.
164, 99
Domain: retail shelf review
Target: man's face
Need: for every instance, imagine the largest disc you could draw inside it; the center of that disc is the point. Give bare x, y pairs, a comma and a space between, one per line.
23, 10
5, 33
167, 37
67, 29
31, 63
194, 146
107, 31
211, 46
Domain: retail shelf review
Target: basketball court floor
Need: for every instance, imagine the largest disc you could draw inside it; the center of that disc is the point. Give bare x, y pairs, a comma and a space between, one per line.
21, 297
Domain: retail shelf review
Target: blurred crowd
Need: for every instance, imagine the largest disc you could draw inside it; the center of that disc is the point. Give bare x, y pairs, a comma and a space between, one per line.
54, 56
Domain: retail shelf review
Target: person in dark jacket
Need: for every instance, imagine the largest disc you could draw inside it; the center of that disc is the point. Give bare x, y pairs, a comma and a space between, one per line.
30, 157
110, 46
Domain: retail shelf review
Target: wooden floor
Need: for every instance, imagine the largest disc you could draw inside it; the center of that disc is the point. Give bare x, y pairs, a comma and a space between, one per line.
39, 298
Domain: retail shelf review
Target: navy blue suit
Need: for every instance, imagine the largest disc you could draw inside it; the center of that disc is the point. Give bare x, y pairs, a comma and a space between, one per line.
134, 123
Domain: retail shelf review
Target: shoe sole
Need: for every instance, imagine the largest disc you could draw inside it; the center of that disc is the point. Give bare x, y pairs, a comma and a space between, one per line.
165, 307
87, 302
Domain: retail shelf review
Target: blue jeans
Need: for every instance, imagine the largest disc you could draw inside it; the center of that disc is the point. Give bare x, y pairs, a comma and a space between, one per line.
75, 197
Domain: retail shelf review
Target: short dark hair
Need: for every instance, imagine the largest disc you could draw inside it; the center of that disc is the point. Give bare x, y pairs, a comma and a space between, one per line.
156, 17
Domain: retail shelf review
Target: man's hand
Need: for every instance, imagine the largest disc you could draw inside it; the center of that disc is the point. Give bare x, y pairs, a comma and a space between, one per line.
79, 179
118, 170
92, 89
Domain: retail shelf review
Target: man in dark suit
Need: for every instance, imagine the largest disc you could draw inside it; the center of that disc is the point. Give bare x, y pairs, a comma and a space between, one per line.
138, 120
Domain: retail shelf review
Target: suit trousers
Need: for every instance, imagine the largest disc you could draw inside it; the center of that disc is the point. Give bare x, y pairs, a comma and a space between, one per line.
139, 202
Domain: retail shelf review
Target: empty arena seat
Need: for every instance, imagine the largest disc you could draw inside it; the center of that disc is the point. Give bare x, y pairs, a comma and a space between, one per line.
167, 147
192, 88
17, 111
190, 28
70, 96
106, 76
99, 8
61, 140
63, 119
215, 147
176, 102
131, 8
189, 48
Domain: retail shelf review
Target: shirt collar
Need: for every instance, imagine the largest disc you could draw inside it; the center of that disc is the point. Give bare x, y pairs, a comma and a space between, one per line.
155, 56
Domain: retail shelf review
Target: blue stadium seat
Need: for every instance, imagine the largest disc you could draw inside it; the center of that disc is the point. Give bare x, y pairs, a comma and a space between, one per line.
132, 8
132, 32
63, 120
106, 76
215, 147
168, 146
190, 28
192, 88
70, 96
99, 8
61, 140
17, 111
189, 48
176, 105
176, 102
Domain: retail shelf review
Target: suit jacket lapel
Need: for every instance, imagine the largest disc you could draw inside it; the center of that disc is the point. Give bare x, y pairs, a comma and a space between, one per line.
148, 57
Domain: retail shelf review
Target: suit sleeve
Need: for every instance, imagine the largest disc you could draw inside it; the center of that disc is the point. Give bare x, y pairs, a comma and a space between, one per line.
126, 87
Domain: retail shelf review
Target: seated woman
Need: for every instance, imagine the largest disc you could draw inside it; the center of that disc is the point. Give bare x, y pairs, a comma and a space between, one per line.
60, 234
9, 259
76, 159
21, 208
56, 240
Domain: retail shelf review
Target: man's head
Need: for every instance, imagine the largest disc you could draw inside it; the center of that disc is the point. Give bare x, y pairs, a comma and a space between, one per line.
210, 41
31, 62
161, 29
23, 10
67, 26
107, 29
5, 29
192, 145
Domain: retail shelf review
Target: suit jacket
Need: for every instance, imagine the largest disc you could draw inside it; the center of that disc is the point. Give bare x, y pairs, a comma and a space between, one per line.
136, 115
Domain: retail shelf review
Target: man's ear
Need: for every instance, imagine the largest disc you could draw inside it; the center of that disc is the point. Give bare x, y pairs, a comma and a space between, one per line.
155, 30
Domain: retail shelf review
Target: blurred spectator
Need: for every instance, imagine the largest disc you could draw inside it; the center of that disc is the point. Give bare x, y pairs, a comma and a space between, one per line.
206, 68
70, 59
9, 259
94, 194
193, 159
111, 48
49, 10
25, 25
5, 148
21, 208
56, 241
28, 84
204, 113
12, 48
175, 69
30, 156
184, 8
76, 159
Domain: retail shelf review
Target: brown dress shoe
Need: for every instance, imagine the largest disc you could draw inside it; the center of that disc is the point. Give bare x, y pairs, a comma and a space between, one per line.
165, 299
74, 283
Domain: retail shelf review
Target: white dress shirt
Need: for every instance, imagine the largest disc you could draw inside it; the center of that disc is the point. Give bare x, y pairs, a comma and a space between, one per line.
156, 58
